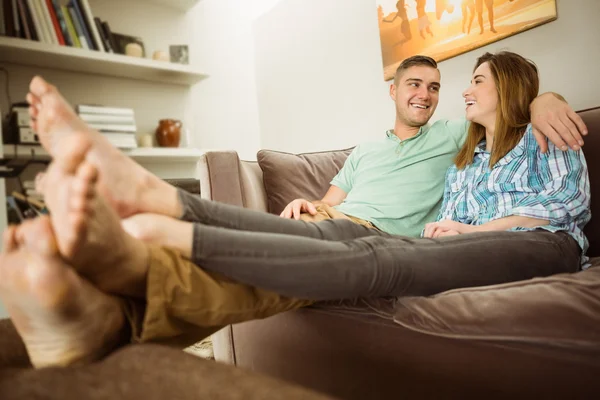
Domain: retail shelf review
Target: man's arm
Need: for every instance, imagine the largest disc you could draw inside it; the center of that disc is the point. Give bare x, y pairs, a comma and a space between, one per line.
552, 118
333, 197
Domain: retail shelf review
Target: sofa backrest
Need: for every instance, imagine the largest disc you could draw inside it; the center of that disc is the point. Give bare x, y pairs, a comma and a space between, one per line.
227, 179
592, 148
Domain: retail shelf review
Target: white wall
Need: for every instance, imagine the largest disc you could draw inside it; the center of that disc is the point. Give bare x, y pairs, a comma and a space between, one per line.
319, 73
224, 106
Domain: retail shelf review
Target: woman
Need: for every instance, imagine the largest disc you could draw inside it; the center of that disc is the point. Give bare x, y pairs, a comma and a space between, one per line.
514, 213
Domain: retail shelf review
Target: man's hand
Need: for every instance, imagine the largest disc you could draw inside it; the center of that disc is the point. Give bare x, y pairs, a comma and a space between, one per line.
552, 118
297, 207
447, 228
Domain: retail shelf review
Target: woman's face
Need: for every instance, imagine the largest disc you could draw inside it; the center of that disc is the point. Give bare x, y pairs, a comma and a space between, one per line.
481, 97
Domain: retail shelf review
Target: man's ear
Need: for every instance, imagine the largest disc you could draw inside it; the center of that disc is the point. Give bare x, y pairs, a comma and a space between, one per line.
393, 92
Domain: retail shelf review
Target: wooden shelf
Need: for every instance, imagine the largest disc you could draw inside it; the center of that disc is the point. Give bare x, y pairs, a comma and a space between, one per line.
183, 5
141, 155
43, 55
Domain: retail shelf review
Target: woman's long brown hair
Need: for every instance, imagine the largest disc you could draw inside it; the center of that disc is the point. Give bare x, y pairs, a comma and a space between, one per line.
517, 83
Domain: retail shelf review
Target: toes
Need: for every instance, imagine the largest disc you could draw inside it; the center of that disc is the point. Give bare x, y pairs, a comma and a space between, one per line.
37, 236
87, 173
40, 178
39, 86
34, 103
9, 239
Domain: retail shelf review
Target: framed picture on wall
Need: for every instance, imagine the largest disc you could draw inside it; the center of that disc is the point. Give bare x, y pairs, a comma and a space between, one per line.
443, 29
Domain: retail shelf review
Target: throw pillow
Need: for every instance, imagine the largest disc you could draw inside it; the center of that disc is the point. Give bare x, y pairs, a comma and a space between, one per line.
290, 176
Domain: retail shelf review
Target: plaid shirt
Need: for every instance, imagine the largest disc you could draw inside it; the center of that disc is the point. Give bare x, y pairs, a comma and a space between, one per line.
554, 186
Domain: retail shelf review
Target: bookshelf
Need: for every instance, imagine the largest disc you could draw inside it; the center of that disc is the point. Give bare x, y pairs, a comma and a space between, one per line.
37, 54
142, 155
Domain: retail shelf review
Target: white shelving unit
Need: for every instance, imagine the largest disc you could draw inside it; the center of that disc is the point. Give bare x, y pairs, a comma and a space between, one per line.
143, 155
37, 54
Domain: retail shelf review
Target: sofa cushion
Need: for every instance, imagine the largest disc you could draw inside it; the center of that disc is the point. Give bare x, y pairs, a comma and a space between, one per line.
559, 310
290, 176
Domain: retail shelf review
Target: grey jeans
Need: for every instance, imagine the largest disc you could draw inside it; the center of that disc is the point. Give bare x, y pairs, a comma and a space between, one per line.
338, 259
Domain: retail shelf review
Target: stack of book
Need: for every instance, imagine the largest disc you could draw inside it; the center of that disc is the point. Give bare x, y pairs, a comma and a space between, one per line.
116, 124
62, 22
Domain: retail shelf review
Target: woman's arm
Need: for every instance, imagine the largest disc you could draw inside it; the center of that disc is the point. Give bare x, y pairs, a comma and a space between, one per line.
448, 227
514, 221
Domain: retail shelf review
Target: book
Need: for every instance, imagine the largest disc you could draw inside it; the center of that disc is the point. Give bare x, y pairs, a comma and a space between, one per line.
109, 35
74, 4
2, 22
86, 11
62, 23
55, 25
28, 17
15, 16
9, 25
70, 27
23, 19
95, 109
107, 118
77, 24
105, 39
47, 21
121, 128
121, 140
37, 21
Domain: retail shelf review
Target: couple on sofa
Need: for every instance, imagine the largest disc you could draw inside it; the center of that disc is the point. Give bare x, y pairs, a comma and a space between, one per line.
82, 282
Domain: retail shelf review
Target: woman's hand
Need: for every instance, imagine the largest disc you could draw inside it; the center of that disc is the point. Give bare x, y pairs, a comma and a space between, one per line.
447, 228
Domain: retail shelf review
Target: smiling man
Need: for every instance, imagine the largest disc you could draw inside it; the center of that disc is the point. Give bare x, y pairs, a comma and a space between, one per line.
396, 184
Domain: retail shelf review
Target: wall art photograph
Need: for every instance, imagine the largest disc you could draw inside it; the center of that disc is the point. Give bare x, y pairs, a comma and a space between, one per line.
446, 28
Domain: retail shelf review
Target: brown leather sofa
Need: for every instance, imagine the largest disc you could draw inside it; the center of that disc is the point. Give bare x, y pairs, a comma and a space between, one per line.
538, 337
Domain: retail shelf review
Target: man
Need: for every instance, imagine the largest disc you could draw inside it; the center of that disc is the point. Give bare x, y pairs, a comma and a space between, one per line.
396, 184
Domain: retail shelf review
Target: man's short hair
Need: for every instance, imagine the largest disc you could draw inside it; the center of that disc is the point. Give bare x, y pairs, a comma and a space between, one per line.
414, 61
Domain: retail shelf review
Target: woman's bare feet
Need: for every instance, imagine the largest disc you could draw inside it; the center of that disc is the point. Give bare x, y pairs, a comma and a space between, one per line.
127, 186
88, 231
62, 319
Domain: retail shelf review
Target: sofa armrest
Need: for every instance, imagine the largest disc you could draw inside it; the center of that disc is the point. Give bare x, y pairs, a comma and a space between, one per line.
224, 178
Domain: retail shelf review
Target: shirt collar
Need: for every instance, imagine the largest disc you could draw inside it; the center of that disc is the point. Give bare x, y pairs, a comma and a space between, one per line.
422, 130
480, 148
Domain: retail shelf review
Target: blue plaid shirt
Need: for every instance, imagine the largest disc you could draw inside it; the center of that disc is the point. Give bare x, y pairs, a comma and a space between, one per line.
554, 186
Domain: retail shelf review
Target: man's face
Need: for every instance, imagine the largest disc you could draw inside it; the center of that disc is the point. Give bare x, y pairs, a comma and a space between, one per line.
416, 95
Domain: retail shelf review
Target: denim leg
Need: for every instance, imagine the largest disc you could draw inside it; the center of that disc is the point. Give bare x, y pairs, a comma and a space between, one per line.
222, 215
377, 266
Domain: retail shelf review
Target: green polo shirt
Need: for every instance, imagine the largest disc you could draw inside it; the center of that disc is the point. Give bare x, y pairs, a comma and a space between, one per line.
398, 185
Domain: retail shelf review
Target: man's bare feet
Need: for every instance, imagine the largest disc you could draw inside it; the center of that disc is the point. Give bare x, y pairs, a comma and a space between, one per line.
88, 231
127, 186
62, 319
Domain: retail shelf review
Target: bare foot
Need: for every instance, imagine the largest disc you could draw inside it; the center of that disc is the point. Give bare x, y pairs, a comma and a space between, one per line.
127, 186
62, 319
88, 231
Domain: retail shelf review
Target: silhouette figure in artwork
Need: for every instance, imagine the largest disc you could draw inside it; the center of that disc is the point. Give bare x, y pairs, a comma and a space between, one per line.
441, 6
489, 4
403, 31
468, 13
424, 23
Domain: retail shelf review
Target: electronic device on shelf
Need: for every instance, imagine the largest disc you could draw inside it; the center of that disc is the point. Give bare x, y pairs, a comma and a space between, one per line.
18, 127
